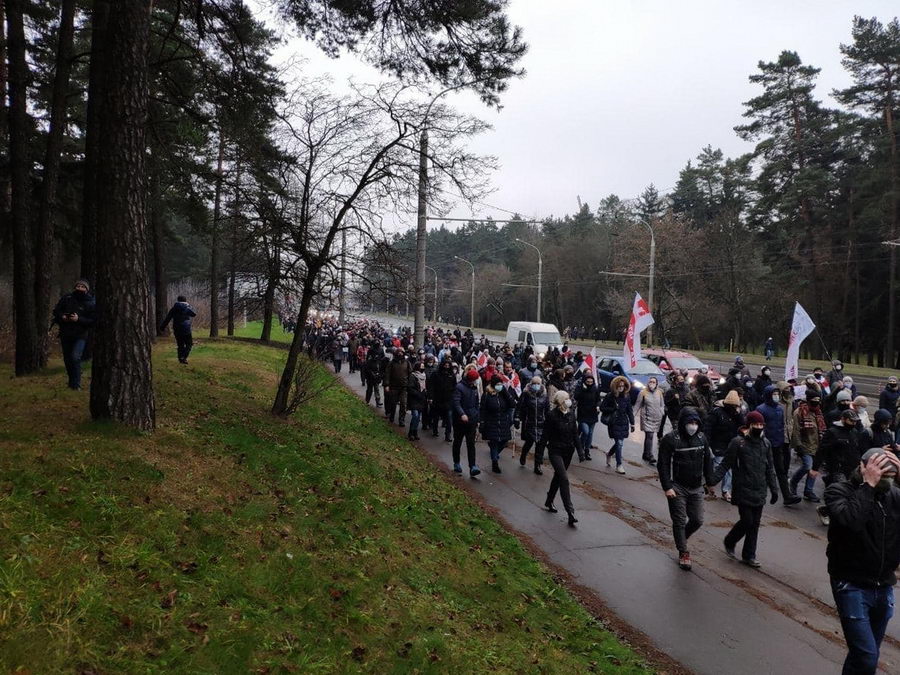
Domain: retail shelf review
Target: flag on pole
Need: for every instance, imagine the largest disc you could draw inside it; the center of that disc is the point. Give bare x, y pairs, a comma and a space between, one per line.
593, 358
516, 384
481, 360
640, 319
801, 327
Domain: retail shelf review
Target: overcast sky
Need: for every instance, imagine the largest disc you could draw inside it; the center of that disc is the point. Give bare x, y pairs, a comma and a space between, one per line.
621, 93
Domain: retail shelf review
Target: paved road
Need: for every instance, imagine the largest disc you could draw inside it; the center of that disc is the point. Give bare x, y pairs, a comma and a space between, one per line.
866, 385
721, 617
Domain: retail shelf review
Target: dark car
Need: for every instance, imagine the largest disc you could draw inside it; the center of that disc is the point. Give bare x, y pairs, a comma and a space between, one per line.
613, 366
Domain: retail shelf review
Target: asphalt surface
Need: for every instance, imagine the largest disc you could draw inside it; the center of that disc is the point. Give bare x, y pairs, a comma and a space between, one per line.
866, 385
721, 617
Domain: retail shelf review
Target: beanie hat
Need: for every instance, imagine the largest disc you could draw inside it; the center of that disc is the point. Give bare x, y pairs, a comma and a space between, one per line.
812, 392
861, 402
495, 380
732, 398
782, 385
754, 417
472, 375
883, 416
85, 282
843, 395
870, 453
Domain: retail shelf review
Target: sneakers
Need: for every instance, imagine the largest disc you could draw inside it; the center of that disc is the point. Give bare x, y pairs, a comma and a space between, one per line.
549, 506
812, 498
822, 511
572, 519
751, 562
474, 470
729, 551
684, 560
790, 500
457, 468
620, 469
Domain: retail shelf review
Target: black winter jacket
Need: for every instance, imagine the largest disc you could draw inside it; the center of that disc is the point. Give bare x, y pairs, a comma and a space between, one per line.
465, 402
561, 431
440, 387
84, 306
683, 459
494, 421
180, 315
531, 412
864, 534
415, 394
839, 452
587, 400
753, 470
720, 427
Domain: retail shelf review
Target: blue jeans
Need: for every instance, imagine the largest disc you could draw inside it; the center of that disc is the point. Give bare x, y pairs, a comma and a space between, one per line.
496, 447
72, 349
616, 448
864, 614
587, 435
415, 416
726, 479
806, 462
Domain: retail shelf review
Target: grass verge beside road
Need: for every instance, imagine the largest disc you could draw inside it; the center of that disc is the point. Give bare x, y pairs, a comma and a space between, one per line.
230, 541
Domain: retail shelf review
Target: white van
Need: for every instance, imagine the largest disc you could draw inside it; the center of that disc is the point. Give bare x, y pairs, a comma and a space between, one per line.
541, 336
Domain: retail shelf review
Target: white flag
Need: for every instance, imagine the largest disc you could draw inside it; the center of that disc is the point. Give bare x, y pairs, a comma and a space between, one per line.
640, 319
801, 327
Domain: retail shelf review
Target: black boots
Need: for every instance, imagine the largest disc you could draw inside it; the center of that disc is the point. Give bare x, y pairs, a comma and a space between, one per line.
572, 518
549, 506
495, 466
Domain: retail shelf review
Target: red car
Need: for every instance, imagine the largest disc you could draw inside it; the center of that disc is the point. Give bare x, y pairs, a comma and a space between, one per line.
669, 360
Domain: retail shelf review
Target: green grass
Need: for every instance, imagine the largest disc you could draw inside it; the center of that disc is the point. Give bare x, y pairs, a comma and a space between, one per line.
230, 542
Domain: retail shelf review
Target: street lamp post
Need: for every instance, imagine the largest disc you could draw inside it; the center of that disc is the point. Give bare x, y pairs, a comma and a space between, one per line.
472, 305
540, 275
652, 275
434, 307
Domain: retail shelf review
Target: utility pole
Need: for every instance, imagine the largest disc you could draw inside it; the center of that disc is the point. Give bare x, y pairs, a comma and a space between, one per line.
421, 238
652, 274
472, 302
342, 313
406, 295
434, 306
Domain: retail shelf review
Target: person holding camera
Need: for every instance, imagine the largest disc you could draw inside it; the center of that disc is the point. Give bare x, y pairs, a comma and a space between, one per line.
75, 314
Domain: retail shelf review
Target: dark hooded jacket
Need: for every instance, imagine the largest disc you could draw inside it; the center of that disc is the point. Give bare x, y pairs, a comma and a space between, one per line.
879, 434
619, 410
864, 533
753, 470
465, 401
587, 401
721, 426
494, 420
561, 431
839, 451
774, 416
79, 303
441, 384
702, 397
531, 412
180, 315
683, 459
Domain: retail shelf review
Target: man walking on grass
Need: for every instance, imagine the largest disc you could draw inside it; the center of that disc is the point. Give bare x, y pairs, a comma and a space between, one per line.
180, 315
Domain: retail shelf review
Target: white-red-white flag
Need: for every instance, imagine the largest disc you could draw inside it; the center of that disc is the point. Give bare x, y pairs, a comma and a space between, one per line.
593, 357
516, 384
640, 319
481, 360
801, 327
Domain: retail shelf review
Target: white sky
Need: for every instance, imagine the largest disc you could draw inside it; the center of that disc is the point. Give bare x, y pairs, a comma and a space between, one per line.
621, 93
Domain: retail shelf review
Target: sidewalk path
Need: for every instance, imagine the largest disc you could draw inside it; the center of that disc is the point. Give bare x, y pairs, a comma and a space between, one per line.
721, 617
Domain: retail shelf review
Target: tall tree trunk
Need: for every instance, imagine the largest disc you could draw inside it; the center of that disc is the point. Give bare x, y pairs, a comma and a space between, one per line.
4, 136
122, 381
157, 230
274, 278
28, 345
90, 199
282, 396
214, 245
45, 258
232, 262
890, 358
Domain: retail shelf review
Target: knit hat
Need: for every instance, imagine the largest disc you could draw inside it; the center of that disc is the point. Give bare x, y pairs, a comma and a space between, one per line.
861, 402
843, 395
883, 416
813, 392
755, 417
84, 282
870, 453
782, 385
495, 380
732, 398
471, 375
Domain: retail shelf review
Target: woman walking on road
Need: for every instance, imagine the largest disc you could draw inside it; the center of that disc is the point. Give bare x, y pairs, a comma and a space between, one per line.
587, 410
415, 399
650, 411
494, 426
563, 440
618, 416
531, 414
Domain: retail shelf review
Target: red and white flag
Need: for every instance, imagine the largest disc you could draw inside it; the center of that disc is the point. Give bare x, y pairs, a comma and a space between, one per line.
593, 357
481, 360
640, 319
513, 382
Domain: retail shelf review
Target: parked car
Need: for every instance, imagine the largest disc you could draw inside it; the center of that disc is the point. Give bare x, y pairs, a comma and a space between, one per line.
669, 360
612, 366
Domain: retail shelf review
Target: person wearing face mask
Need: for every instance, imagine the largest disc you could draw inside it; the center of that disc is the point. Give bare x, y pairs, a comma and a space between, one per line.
809, 426
888, 400
675, 399
396, 377
863, 554
861, 405
530, 370
842, 401
750, 457
466, 409
650, 410
773, 413
836, 373
879, 433
587, 412
563, 440
531, 412
494, 418
838, 454
373, 369
685, 465
75, 313
702, 398
618, 416
763, 380
415, 399
720, 427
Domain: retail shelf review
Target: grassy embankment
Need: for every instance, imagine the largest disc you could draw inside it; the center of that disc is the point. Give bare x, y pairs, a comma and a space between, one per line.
229, 541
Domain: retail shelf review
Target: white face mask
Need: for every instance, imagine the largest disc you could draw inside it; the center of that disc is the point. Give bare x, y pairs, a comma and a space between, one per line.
776, 398
691, 428
566, 404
